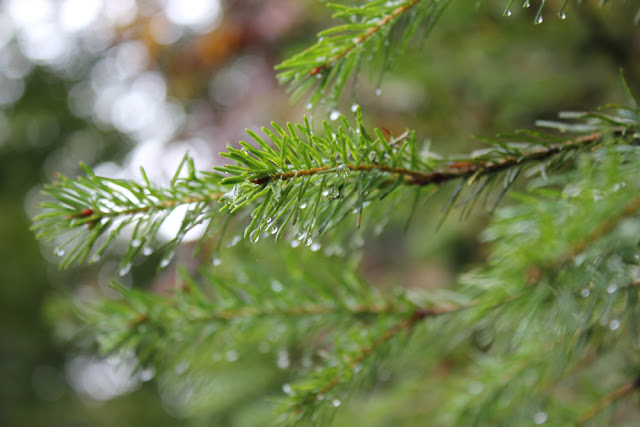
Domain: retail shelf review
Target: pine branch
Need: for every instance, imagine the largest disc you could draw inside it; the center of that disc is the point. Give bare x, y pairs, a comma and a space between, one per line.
370, 27
92, 211
334, 175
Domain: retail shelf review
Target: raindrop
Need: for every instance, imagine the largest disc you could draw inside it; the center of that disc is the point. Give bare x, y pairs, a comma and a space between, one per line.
295, 243
234, 241
612, 288
320, 396
286, 388
273, 229
148, 250
270, 219
255, 235
308, 242
283, 359
475, 388
540, 417
315, 247
540, 19
147, 374
165, 262
309, 106
181, 367
373, 157
303, 205
277, 286
135, 243
334, 114
95, 258
614, 324
216, 261
331, 193
343, 171
59, 251
336, 403
230, 196
527, 3
231, 356
354, 107
124, 270
507, 12
378, 92
585, 292
562, 15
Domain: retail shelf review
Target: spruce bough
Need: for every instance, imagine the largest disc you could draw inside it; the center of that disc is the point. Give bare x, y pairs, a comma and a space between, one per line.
557, 296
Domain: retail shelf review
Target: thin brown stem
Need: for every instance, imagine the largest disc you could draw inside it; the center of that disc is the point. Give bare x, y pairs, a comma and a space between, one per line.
609, 399
453, 170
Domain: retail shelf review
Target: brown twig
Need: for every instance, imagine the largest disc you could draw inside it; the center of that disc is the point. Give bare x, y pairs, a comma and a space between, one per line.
609, 399
452, 171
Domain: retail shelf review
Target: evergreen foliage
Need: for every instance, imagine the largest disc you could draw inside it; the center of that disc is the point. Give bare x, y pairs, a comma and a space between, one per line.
557, 295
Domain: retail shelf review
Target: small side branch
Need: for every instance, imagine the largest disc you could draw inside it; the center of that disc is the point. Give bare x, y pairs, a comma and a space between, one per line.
611, 398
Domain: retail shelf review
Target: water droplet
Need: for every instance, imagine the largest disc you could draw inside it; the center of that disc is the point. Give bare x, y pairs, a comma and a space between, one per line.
378, 92
135, 243
334, 114
320, 396
309, 106
124, 270
283, 359
147, 374
373, 157
147, 250
303, 205
95, 258
475, 388
614, 324
234, 241
315, 247
230, 196
308, 242
540, 417
273, 229
527, 3
540, 19
286, 388
59, 251
295, 243
277, 286
216, 261
507, 12
343, 171
336, 403
562, 15
270, 219
181, 367
354, 107
165, 262
612, 288
331, 193
254, 236
585, 292
231, 356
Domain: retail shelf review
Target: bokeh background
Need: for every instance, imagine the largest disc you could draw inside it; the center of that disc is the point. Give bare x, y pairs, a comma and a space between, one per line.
119, 84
